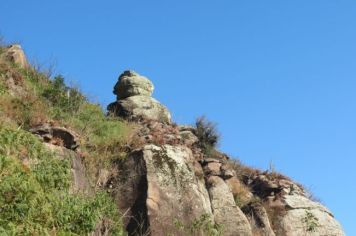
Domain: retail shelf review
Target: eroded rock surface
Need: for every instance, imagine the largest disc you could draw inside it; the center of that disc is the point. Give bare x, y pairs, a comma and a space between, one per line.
305, 216
163, 189
225, 211
132, 84
134, 101
169, 182
59, 136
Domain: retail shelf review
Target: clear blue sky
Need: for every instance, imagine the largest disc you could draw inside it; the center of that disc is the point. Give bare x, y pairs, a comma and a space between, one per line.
279, 77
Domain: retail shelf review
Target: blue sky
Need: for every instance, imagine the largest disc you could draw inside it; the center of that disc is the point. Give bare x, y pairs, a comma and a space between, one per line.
279, 77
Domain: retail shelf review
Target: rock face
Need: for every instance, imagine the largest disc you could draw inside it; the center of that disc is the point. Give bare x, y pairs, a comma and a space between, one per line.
304, 215
169, 186
134, 101
224, 208
15, 54
163, 190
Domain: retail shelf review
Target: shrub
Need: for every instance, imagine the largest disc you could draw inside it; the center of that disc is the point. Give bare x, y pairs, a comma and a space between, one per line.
310, 221
207, 134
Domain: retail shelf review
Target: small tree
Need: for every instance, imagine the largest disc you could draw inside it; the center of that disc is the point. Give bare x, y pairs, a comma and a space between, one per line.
207, 133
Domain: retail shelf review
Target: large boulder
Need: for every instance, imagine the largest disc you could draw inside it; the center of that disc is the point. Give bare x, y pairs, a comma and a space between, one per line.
140, 107
16, 55
305, 217
225, 211
159, 191
131, 84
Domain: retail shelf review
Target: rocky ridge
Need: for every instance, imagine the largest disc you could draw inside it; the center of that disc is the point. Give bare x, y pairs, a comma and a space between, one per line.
170, 179
168, 184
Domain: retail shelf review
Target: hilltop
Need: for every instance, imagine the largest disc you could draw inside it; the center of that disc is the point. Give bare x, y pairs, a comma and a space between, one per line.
69, 168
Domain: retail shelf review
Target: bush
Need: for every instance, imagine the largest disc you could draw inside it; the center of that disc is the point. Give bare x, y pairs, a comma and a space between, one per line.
207, 133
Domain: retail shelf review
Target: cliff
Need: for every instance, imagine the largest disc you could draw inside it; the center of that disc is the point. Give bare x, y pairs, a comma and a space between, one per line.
67, 168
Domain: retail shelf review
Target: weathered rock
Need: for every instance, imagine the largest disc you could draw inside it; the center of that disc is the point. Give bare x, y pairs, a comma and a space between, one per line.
188, 137
157, 186
305, 217
16, 55
227, 172
140, 107
56, 135
225, 211
212, 168
134, 101
132, 84
187, 128
258, 218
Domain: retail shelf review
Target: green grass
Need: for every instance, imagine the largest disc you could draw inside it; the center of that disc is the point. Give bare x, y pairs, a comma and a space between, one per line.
102, 138
34, 182
35, 198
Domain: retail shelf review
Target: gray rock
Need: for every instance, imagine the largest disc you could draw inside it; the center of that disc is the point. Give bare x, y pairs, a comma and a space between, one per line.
131, 84
57, 135
158, 185
225, 211
212, 168
140, 107
305, 217
188, 137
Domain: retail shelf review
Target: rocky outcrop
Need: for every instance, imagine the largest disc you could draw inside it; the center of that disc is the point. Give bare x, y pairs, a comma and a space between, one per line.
157, 187
225, 211
304, 216
168, 184
16, 55
134, 101
59, 136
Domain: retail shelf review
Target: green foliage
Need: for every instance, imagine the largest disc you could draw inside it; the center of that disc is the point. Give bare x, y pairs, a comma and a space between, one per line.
81, 214
24, 209
53, 173
203, 224
311, 222
207, 134
3, 88
35, 198
34, 182
63, 99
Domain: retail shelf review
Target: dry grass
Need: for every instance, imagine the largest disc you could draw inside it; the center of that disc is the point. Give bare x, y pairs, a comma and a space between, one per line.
274, 212
26, 112
240, 191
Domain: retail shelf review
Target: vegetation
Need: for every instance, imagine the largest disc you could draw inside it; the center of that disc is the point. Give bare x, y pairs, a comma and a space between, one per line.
311, 222
202, 225
207, 134
34, 192
35, 183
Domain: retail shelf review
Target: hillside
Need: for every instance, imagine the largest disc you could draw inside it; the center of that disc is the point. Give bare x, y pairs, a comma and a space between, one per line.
69, 168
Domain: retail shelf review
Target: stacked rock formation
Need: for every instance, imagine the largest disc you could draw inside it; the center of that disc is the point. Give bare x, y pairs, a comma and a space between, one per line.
168, 185
134, 101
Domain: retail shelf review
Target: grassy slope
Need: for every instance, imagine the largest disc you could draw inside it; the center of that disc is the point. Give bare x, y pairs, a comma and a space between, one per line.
34, 183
